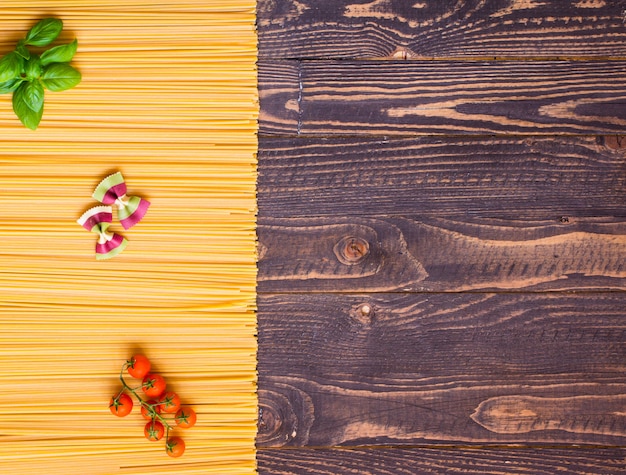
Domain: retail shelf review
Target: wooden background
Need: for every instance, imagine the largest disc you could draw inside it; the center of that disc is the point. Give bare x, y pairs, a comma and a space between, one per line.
442, 236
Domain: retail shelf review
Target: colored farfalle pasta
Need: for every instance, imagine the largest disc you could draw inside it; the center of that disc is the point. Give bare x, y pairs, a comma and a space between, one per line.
130, 209
97, 220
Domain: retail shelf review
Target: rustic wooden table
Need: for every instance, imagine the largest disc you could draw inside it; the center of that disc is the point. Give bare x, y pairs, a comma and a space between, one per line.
442, 236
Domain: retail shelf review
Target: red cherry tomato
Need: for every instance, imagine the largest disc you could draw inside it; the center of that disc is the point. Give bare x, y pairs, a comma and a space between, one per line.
138, 366
153, 385
145, 412
185, 418
154, 430
175, 447
169, 402
121, 405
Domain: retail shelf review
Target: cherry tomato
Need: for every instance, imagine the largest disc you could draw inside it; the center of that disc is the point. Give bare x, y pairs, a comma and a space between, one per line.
145, 413
185, 418
121, 405
138, 366
169, 402
175, 447
154, 430
153, 385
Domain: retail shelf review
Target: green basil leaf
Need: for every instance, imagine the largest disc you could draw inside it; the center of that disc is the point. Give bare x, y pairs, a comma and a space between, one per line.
33, 68
22, 50
33, 95
44, 32
10, 66
10, 85
59, 54
60, 76
29, 117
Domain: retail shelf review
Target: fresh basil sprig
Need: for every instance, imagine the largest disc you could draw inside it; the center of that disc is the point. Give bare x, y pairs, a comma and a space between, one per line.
27, 74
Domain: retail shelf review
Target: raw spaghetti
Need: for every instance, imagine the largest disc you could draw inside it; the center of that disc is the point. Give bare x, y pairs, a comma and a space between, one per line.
169, 99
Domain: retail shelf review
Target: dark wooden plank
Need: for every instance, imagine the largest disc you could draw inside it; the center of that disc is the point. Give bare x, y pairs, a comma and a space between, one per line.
398, 369
484, 177
432, 97
436, 28
280, 97
339, 254
412, 461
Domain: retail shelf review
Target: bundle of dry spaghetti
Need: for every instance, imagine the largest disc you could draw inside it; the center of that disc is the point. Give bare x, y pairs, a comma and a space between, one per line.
168, 97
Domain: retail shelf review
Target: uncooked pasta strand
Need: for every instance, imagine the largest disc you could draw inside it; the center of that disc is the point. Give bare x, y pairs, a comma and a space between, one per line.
169, 98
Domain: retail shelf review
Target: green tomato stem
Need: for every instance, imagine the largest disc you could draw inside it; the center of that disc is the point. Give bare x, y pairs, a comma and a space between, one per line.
150, 407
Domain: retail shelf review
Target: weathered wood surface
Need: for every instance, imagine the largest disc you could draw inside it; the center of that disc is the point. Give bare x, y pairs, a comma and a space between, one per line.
402, 369
441, 28
484, 191
402, 254
412, 461
441, 97
496, 177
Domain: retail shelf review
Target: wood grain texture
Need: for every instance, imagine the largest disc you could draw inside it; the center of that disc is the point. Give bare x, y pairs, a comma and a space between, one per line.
279, 96
440, 97
411, 461
481, 184
440, 255
401, 369
497, 177
439, 29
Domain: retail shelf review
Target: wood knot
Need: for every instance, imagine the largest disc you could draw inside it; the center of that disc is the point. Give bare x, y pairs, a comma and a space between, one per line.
276, 420
402, 53
351, 250
364, 314
615, 142
285, 417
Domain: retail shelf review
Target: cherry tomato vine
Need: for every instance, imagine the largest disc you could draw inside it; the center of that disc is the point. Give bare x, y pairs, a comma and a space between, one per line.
158, 404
